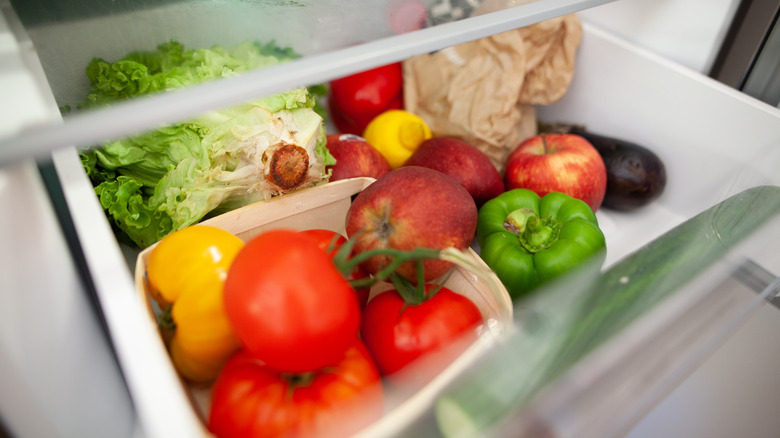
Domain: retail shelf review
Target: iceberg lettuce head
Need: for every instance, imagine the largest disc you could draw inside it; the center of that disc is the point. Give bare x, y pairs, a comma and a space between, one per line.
164, 180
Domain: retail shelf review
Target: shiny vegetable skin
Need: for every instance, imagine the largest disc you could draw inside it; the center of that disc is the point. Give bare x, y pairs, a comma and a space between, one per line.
490, 392
251, 400
186, 273
330, 242
288, 303
356, 99
528, 240
399, 332
636, 176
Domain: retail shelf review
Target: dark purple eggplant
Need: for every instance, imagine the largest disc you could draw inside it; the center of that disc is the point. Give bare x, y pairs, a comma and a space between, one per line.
636, 176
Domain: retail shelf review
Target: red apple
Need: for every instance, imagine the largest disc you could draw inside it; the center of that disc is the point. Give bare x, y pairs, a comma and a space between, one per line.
408, 208
355, 158
564, 163
463, 162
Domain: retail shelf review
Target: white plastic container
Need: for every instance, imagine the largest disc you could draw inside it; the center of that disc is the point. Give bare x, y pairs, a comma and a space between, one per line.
325, 207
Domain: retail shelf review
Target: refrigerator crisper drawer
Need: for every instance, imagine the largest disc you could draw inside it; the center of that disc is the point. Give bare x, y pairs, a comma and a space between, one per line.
715, 143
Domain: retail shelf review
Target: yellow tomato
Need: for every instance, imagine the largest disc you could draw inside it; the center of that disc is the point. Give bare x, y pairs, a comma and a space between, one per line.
396, 134
186, 259
186, 273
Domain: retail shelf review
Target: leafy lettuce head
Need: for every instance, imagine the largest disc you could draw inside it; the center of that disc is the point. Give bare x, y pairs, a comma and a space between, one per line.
163, 180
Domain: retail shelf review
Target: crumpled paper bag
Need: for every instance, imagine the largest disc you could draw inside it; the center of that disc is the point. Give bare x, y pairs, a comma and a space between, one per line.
483, 91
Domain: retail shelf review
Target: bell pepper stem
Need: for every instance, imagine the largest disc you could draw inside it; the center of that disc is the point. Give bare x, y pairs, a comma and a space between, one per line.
535, 233
516, 220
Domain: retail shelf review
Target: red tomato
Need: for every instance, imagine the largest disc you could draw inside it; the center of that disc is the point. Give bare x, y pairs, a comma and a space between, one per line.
325, 239
397, 333
251, 400
288, 304
355, 100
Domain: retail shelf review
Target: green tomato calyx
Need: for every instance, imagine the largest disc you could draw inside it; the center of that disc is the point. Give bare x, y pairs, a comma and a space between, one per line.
298, 380
535, 233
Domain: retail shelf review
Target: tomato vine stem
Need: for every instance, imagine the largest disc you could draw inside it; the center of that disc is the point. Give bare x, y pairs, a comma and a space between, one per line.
346, 262
413, 294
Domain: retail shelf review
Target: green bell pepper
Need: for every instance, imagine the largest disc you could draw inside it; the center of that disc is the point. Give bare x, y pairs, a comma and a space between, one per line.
527, 239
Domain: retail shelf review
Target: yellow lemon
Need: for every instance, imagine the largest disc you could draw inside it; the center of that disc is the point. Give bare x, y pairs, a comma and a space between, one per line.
396, 134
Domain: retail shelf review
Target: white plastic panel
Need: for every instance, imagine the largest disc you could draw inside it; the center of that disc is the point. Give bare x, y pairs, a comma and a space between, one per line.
662, 26
59, 375
714, 140
22, 101
733, 393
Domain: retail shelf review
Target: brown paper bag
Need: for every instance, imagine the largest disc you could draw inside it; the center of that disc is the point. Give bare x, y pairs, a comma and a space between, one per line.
483, 91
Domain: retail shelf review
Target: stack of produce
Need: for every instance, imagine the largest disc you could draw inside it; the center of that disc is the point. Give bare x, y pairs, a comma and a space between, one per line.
282, 325
288, 351
537, 204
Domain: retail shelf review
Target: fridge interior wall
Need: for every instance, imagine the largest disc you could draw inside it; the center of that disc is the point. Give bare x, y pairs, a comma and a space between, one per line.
714, 141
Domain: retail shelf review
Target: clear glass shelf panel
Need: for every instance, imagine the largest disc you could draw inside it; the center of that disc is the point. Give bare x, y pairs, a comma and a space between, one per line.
334, 38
